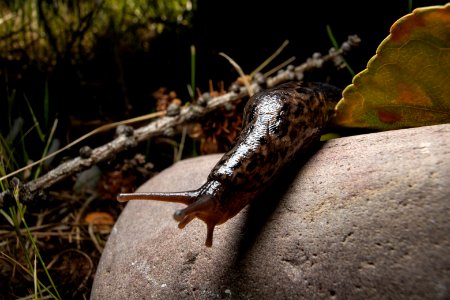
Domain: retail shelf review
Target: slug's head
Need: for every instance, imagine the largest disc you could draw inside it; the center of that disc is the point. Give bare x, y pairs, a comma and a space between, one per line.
208, 206
206, 203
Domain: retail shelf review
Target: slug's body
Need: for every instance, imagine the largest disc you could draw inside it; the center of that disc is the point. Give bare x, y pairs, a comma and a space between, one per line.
278, 124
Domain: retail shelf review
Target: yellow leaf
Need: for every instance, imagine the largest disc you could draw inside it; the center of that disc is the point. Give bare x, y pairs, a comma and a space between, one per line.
406, 83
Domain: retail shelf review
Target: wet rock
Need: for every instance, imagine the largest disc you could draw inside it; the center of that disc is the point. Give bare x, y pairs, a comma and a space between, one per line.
367, 217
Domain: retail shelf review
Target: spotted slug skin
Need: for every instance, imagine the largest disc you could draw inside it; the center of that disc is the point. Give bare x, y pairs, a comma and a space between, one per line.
279, 124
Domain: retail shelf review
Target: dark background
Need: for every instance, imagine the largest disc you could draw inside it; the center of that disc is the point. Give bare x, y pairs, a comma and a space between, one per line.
250, 31
247, 31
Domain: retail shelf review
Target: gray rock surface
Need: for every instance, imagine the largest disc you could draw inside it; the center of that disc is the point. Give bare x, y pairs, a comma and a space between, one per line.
367, 217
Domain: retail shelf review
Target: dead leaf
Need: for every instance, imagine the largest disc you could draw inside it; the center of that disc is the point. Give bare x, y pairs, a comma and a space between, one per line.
102, 220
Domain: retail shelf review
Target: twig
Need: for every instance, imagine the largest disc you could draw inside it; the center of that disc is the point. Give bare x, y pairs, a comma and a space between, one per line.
128, 138
89, 134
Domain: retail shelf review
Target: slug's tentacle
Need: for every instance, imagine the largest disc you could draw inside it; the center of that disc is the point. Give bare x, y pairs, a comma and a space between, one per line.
184, 221
177, 197
209, 234
204, 210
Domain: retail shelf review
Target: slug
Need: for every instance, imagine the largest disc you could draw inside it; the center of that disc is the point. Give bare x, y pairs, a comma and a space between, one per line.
278, 124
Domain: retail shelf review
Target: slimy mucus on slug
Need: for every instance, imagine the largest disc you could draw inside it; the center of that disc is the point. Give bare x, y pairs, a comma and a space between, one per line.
279, 123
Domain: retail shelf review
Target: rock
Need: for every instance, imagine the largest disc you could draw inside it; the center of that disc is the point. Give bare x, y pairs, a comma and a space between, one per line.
367, 217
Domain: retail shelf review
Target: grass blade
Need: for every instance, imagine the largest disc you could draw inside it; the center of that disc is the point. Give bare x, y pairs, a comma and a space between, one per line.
46, 104
36, 249
193, 72
35, 120
336, 46
47, 145
35, 279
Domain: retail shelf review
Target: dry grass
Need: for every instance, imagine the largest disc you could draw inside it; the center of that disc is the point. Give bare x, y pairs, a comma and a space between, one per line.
69, 242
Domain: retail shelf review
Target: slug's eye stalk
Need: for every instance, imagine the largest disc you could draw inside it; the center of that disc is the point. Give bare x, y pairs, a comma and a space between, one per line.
184, 219
203, 203
206, 208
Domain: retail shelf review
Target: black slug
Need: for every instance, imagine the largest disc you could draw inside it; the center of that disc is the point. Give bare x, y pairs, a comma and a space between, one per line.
279, 123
